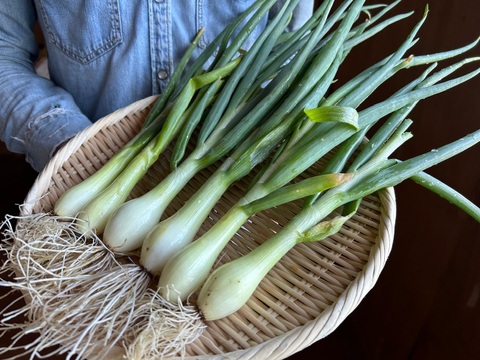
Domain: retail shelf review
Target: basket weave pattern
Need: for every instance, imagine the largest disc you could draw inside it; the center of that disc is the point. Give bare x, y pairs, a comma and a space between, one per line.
302, 299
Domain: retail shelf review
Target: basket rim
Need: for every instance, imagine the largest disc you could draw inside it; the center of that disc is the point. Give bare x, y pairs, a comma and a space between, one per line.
294, 340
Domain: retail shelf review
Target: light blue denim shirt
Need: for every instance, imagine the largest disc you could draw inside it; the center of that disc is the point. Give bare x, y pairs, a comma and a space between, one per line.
102, 55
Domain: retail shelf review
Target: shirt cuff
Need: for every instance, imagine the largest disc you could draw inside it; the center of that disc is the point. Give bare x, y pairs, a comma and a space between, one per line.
48, 131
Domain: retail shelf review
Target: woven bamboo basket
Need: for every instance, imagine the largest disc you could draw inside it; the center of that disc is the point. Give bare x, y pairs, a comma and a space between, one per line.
304, 297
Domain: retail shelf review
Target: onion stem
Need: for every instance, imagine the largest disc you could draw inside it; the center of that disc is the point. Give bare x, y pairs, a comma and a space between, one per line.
231, 285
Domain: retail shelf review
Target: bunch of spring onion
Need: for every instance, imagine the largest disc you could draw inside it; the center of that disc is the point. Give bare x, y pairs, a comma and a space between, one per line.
95, 199
237, 111
239, 100
180, 229
228, 288
302, 150
187, 101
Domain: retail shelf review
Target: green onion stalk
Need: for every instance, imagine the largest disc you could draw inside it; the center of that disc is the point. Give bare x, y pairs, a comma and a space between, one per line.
72, 201
181, 228
75, 200
230, 285
371, 173
144, 212
93, 216
186, 270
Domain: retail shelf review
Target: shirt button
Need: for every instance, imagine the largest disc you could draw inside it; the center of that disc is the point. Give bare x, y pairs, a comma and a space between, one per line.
162, 74
158, 1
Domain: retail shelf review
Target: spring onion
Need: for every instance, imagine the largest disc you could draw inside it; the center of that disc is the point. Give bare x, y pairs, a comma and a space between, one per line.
95, 214
72, 201
229, 287
108, 189
144, 212
183, 275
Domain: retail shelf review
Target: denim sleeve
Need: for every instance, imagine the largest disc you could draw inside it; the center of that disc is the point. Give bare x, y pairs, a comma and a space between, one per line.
35, 115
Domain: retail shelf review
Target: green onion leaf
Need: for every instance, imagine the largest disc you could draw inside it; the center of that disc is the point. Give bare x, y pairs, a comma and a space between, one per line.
341, 114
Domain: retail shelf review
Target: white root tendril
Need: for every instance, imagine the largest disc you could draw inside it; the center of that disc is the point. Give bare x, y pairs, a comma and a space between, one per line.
163, 329
80, 298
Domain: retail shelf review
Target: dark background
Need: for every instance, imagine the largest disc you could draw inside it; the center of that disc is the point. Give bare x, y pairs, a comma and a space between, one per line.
425, 304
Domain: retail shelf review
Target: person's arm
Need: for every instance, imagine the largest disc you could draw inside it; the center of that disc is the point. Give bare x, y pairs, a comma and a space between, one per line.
35, 115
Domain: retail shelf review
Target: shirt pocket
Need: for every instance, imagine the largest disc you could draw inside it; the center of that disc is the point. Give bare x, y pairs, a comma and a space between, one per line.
82, 30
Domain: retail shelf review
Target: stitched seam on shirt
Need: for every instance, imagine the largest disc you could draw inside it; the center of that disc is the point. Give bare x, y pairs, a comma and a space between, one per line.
151, 38
202, 44
162, 43
169, 34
